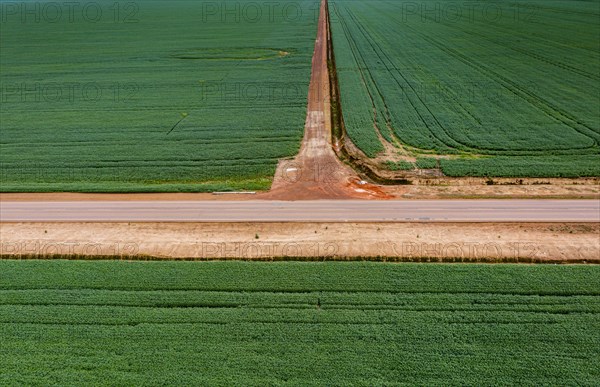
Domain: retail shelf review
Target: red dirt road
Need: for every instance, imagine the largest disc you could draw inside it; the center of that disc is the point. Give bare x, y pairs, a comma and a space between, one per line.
316, 172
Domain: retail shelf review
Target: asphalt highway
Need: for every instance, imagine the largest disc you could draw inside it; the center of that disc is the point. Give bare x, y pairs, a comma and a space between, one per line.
304, 211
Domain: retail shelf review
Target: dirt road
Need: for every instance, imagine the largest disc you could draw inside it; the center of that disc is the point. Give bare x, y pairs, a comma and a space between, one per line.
316, 172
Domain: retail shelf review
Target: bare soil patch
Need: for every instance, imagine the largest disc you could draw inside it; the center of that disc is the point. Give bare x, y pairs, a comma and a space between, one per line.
316, 172
421, 242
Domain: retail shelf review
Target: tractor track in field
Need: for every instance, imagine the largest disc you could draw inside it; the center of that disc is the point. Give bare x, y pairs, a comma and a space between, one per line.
389, 142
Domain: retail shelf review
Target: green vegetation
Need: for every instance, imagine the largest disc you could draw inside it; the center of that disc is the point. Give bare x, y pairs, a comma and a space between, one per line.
151, 96
249, 323
517, 82
427, 162
400, 165
502, 166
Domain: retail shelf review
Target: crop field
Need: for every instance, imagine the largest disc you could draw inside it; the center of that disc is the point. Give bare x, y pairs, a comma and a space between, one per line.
151, 95
217, 323
503, 88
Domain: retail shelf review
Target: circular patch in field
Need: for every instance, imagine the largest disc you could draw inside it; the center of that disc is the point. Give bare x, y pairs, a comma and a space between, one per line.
231, 53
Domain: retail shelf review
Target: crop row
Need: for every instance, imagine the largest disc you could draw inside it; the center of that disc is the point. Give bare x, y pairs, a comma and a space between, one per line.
223, 323
502, 87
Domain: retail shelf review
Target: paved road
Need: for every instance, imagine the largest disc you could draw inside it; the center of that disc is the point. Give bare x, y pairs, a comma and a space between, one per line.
324, 210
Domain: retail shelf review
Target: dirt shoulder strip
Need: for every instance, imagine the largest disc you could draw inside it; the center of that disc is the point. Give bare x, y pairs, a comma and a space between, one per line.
422, 242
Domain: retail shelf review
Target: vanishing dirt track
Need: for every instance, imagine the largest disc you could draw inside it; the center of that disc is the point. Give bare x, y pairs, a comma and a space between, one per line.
316, 172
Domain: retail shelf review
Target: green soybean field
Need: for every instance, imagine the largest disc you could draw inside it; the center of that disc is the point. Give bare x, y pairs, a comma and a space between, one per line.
297, 323
119, 96
499, 88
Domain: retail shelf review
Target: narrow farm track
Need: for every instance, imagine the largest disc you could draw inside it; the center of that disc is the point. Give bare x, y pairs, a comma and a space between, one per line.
316, 172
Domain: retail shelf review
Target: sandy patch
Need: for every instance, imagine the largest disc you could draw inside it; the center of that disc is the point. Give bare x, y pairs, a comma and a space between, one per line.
464, 242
